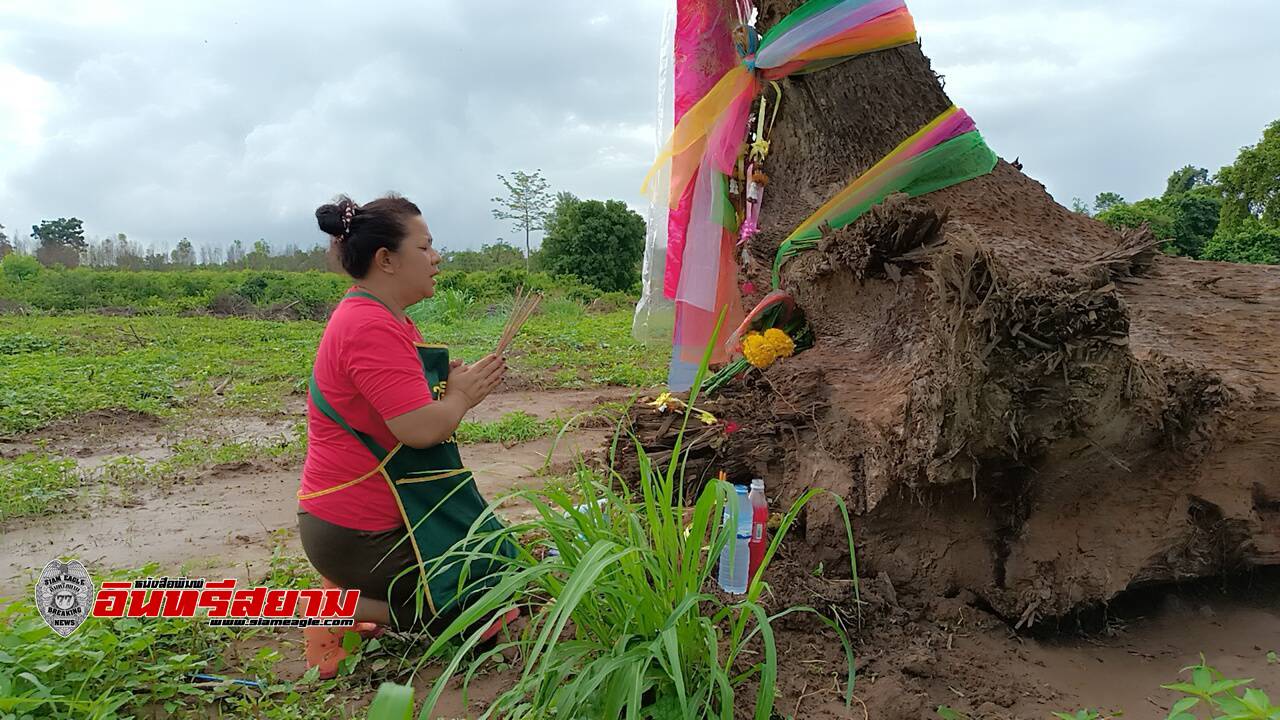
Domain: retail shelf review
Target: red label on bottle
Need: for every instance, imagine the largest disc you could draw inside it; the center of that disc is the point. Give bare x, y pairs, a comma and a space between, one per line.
757, 531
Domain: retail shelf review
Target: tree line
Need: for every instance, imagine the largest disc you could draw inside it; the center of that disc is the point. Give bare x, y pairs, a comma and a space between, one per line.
1233, 215
599, 242
62, 242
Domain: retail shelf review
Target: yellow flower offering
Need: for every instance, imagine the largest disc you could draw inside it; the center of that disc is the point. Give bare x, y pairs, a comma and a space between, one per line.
783, 345
666, 401
758, 351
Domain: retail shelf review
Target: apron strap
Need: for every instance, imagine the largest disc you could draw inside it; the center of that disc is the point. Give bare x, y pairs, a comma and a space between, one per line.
368, 296
327, 410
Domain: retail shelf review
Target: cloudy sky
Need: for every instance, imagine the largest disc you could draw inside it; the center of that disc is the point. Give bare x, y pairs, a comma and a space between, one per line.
224, 120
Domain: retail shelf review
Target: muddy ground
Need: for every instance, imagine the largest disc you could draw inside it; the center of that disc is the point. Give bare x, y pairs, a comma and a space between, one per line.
914, 653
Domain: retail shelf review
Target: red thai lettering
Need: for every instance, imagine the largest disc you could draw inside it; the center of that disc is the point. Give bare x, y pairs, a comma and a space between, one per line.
112, 599
280, 603
145, 603
314, 598
339, 603
248, 603
217, 597
180, 603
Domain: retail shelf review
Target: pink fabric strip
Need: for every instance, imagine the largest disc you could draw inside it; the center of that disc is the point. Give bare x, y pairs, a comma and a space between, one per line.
704, 52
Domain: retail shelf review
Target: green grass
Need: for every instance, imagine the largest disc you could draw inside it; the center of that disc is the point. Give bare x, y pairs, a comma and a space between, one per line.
521, 427
31, 483
53, 367
512, 428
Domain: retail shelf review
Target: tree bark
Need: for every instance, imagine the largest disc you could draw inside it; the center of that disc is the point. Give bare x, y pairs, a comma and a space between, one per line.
1015, 399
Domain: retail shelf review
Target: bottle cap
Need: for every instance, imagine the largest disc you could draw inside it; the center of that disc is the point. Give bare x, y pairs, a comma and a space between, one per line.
757, 484
740, 489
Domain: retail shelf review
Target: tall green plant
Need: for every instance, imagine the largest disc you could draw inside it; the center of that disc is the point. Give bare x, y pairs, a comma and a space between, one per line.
622, 618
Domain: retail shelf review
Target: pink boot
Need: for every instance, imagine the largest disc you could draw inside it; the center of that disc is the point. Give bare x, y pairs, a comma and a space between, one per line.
324, 644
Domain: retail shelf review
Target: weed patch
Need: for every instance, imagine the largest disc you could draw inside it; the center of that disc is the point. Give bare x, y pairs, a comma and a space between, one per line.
32, 483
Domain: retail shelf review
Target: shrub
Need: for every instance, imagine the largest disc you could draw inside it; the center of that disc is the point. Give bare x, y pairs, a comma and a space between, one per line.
19, 268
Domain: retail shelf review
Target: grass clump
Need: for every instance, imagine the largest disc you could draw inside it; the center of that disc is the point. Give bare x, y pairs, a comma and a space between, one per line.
33, 482
511, 429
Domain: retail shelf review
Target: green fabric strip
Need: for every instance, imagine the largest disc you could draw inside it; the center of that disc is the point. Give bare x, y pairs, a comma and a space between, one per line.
961, 158
324, 407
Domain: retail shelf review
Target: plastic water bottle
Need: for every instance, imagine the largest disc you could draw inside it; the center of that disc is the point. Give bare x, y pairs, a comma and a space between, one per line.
735, 558
759, 526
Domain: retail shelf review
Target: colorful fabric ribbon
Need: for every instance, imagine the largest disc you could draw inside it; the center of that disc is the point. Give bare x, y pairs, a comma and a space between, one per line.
700, 267
709, 136
703, 52
947, 151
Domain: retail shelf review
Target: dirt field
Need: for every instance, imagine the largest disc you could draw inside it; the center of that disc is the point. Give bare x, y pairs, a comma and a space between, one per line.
914, 653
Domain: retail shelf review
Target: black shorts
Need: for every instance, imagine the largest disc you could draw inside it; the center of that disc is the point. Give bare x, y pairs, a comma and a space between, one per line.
381, 565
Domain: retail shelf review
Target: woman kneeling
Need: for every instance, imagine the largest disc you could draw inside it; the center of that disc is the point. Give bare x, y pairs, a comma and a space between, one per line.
384, 494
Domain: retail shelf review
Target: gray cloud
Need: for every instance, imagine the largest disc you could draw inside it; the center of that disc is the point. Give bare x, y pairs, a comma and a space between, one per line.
234, 120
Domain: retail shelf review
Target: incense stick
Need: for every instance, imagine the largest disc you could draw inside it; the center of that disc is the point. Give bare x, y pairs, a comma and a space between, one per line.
521, 310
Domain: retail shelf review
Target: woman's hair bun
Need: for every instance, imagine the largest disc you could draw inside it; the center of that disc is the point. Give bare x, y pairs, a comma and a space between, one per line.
330, 217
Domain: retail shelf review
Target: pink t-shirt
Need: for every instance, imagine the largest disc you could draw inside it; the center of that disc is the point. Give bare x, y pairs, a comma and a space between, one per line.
368, 369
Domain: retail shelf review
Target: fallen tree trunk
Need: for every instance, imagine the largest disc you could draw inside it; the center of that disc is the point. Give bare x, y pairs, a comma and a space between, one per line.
1015, 399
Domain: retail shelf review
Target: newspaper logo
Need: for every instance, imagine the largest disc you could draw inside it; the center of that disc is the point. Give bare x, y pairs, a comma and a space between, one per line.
63, 595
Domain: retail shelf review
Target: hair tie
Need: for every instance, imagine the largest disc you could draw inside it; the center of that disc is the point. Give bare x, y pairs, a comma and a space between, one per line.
348, 212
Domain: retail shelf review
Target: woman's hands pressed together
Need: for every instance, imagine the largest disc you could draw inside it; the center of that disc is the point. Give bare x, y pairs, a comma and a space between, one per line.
435, 422
475, 381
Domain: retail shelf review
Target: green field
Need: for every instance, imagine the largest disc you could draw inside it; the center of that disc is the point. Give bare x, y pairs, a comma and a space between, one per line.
54, 367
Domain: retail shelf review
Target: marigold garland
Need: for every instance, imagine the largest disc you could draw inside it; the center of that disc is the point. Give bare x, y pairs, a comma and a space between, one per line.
764, 349
782, 344
758, 351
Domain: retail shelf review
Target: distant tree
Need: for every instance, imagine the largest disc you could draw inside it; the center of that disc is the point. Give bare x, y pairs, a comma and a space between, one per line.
526, 204
184, 255
68, 232
1252, 242
210, 255
601, 243
155, 259
1195, 220
22, 244
1150, 211
100, 253
1185, 217
489, 257
128, 255
235, 253
1250, 186
258, 258
1080, 206
6, 247
1105, 201
1186, 179
61, 241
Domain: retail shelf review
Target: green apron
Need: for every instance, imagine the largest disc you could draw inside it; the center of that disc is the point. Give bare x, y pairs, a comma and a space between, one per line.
438, 498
